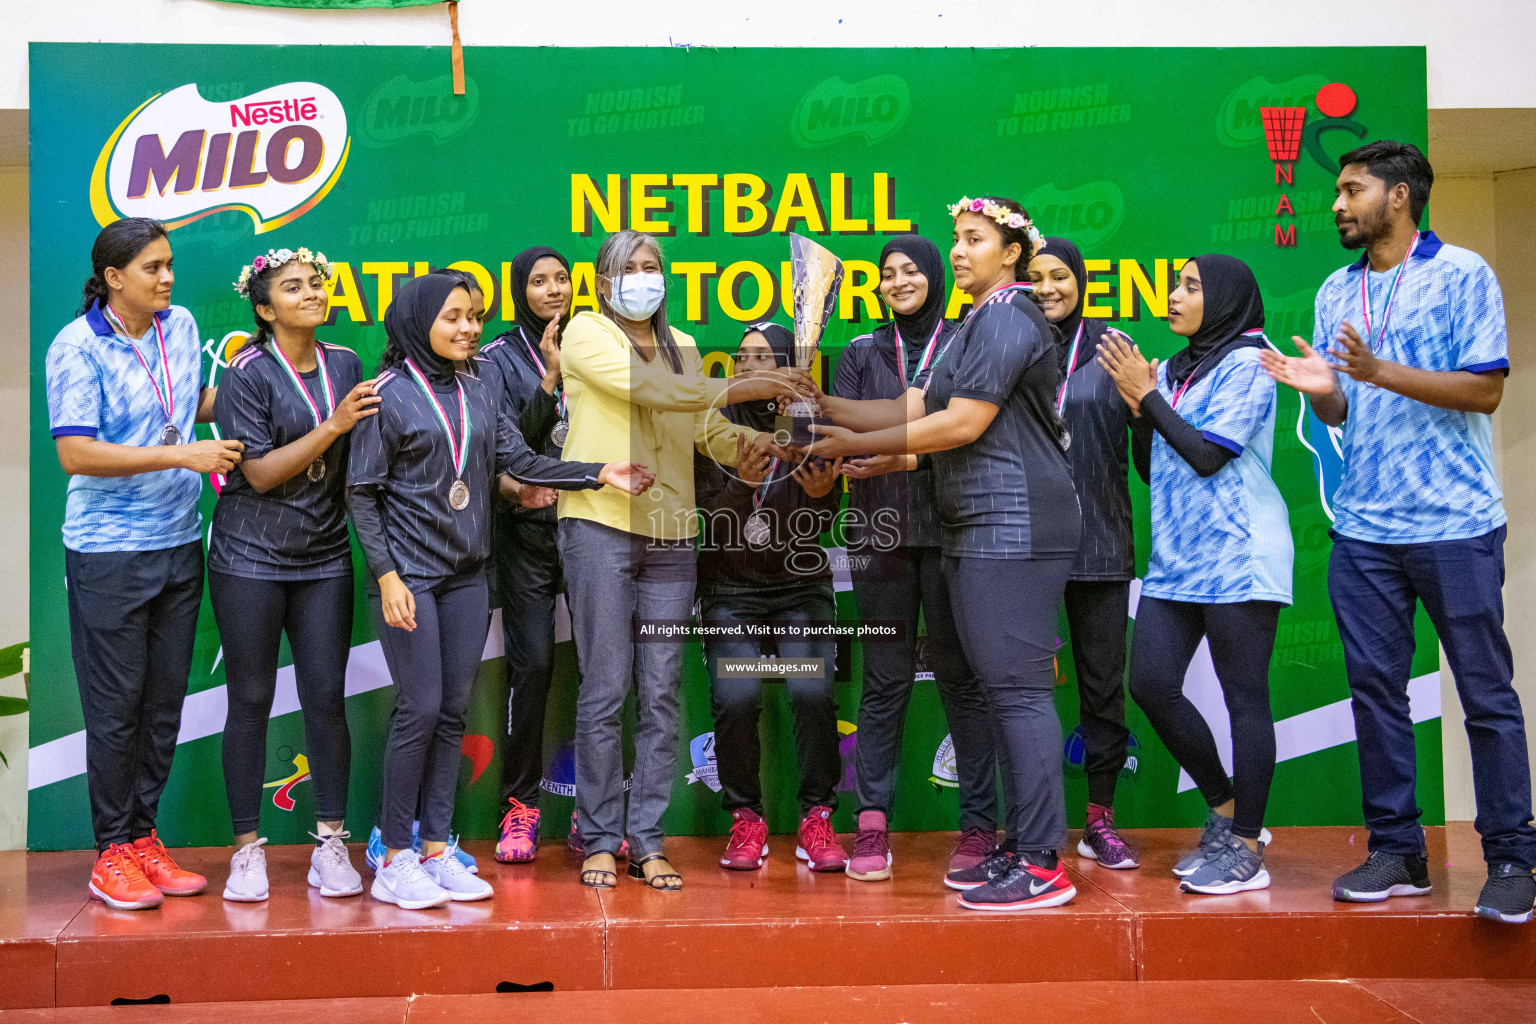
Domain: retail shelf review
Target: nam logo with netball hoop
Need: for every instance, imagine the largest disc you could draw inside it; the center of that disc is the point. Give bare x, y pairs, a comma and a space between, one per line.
273, 154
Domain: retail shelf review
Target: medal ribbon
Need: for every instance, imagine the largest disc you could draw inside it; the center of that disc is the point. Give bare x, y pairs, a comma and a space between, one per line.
1061, 396
167, 397
760, 492
922, 364
298, 384
460, 450
1001, 293
1256, 332
534, 352
1365, 296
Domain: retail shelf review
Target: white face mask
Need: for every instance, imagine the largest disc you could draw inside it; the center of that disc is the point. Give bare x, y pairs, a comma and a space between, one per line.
637, 296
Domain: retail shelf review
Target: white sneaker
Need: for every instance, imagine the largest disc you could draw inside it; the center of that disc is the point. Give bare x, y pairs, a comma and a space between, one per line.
330, 868
403, 883
449, 872
247, 874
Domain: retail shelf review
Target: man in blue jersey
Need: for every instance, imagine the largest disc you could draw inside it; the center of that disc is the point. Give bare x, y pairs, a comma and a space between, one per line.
1409, 355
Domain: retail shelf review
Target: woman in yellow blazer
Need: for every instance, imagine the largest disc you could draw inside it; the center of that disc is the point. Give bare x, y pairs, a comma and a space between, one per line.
636, 385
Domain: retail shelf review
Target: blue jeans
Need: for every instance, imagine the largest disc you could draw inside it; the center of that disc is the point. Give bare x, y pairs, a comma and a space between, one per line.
738, 702
1374, 588
614, 579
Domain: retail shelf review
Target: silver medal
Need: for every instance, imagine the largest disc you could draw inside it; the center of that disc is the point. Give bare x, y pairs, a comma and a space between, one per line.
1066, 439
560, 432
756, 531
170, 435
316, 471
458, 495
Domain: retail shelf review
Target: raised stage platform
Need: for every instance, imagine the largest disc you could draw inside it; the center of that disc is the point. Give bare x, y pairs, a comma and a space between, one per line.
779, 927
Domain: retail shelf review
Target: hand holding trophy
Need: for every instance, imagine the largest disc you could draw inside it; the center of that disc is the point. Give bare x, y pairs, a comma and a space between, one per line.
816, 276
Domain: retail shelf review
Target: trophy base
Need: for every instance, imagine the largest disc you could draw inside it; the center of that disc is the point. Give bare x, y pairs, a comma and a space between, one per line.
794, 431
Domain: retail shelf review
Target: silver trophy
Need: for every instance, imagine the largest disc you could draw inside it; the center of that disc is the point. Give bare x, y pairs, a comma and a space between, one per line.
817, 276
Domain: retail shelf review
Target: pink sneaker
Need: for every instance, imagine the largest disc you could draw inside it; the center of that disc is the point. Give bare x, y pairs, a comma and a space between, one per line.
1102, 843
519, 841
748, 846
576, 845
818, 843
975, 846
871, 849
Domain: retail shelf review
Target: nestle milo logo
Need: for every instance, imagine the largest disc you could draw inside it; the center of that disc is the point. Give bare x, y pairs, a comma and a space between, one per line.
1238, 122
401, 108
1088, 214
835, 109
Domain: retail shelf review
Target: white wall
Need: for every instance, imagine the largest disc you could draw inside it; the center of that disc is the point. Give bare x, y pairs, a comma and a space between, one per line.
1478, 49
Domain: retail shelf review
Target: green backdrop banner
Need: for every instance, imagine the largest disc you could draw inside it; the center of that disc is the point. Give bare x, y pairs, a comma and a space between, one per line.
1145, 157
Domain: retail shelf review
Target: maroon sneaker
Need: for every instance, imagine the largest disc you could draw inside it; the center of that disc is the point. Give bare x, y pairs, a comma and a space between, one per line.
871, 861
975, 845
818, 843
748, 846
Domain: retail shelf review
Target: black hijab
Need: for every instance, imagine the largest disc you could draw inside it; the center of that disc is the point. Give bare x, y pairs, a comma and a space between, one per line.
917, 327
1066, 328
408, 325
755, 414
1232, 305
522, 269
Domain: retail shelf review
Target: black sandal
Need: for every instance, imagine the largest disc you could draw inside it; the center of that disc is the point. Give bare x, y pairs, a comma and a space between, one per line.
637, 870
592, 873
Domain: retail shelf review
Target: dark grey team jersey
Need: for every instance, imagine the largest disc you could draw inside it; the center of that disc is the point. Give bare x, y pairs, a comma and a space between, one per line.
1009, 493
298, 529
1100, 421
865, 370
401, 471
509, 371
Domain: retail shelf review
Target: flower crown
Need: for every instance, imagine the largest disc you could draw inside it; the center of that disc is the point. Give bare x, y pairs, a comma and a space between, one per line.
1004, 216
276, 258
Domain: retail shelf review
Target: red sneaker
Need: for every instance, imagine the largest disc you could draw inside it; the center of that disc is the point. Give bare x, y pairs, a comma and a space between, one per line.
748, 845
156, 863
818, 843
576, 844
117, 881
519, 841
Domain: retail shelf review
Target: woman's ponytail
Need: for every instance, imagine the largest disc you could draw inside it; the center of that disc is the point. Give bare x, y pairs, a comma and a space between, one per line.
116, 246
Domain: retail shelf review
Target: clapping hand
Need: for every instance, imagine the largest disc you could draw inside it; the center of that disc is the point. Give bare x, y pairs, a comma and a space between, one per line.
1135, 378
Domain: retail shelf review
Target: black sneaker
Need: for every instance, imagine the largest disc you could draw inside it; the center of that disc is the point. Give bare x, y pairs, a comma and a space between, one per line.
1026, 886
1381, 876
997, 864
1507, 895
